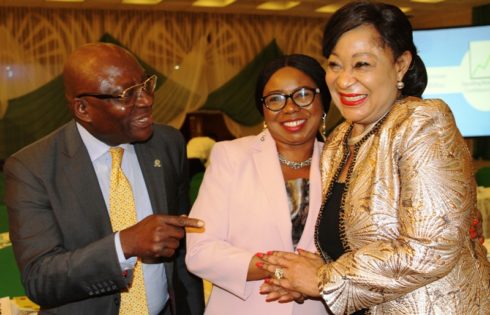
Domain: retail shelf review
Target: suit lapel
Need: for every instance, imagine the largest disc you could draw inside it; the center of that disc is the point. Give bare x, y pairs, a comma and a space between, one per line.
81, 176
153, 168
268, 168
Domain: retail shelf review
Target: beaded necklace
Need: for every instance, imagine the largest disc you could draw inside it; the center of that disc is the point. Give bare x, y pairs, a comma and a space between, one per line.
356, 146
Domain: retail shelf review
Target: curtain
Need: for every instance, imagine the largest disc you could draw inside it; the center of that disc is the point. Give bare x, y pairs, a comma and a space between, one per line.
203, 60
236, 96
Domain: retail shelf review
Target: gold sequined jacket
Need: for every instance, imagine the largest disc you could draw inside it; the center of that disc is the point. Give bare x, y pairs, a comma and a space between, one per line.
410, 197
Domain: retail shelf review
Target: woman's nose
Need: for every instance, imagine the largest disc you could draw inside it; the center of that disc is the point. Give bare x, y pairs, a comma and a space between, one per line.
345, 79
290, 106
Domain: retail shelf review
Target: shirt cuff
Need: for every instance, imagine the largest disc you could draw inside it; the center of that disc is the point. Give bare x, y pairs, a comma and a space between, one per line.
123, 262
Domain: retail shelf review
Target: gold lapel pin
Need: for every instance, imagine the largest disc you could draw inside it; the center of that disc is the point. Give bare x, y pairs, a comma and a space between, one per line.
157, 163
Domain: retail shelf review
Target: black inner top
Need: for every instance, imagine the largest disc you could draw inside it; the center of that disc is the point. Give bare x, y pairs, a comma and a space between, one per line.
329, 227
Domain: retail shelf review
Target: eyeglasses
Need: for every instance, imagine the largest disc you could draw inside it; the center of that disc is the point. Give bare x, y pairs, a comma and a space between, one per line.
302, 97
131, 94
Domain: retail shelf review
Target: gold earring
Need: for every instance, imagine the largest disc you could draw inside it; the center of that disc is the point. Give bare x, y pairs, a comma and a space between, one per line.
265, 125
323, 127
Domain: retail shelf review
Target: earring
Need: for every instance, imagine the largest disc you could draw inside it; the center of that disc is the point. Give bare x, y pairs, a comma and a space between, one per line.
265, 126
400, 85
323, 127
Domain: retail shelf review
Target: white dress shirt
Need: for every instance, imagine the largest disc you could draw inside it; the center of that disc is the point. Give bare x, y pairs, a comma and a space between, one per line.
154, 274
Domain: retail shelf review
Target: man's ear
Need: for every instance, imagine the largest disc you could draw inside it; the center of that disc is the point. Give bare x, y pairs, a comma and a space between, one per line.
403, 63
80, 109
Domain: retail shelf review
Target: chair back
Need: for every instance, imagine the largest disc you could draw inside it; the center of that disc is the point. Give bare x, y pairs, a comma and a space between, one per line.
483, 176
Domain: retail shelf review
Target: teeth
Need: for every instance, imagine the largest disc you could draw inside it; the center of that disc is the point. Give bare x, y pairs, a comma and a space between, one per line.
294, 123
353, 98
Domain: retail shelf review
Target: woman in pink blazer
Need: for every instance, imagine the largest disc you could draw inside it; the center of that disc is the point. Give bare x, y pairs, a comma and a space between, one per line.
263, 192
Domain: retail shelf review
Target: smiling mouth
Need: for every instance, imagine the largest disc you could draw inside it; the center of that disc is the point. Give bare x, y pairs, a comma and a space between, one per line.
294, 123
352, 100
143, 121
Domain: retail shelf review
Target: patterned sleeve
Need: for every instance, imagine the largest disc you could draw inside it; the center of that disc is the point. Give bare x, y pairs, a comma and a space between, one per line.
433, 215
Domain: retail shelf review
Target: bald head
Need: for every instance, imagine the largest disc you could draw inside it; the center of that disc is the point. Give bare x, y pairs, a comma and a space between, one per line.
95, 75
95, 67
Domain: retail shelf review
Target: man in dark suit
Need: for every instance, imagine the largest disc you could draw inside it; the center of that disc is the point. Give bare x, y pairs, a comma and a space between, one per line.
58, 193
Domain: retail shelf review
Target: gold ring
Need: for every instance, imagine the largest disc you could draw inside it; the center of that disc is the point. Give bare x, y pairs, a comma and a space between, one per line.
279, 273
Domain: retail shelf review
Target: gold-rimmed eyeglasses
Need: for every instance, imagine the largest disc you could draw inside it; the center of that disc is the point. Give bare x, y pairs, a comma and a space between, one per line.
130, 94
302, 97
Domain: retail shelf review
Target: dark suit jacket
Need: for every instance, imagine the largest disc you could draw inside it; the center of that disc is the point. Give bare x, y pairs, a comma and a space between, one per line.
61, 231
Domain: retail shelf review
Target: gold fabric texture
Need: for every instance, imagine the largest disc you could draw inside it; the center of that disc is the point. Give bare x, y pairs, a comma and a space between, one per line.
408, 205
123, 215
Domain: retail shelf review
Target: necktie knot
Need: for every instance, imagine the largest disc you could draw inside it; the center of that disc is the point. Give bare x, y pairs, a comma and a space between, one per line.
116, 154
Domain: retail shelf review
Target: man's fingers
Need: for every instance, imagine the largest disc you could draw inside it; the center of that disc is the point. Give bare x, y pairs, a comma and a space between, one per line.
166, 253
191, 222
183, 221
165, 231
169, 243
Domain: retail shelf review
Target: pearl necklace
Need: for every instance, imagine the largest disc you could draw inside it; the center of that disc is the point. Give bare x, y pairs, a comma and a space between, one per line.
293, 164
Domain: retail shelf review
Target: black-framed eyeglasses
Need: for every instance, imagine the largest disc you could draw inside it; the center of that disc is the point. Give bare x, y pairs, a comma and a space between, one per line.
302, 97
130, 94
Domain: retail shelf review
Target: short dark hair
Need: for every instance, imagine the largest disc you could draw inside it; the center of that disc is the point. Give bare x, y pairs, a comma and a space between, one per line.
394, 29
306, 64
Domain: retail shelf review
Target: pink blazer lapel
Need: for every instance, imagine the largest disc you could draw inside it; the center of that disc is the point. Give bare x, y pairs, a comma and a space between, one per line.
270, 176
307, 239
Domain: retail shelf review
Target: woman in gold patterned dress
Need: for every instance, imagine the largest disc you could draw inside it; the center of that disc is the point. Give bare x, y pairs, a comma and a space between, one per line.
398, 186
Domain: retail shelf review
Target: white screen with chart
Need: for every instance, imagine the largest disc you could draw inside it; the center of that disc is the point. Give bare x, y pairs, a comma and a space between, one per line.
458, 67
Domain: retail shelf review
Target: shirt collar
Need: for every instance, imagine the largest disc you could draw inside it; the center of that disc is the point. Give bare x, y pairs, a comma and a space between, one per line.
95, 147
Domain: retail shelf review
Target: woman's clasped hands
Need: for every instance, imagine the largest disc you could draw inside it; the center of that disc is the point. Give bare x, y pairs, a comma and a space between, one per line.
294, 275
